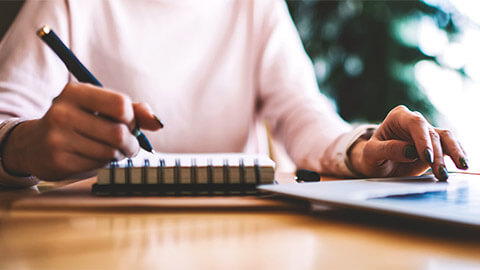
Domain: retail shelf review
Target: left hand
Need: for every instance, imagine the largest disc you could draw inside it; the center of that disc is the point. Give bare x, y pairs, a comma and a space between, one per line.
406, 144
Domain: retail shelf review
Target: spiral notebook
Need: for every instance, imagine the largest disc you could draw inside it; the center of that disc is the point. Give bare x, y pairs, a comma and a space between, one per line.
185, 174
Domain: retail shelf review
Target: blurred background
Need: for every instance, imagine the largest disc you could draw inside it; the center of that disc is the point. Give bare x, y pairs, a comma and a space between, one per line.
370, 56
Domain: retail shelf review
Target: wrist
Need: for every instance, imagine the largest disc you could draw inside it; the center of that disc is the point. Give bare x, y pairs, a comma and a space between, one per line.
13, 151
350, 149
355, 156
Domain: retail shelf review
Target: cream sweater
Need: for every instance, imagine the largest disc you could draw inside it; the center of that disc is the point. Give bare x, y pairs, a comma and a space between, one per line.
214, 71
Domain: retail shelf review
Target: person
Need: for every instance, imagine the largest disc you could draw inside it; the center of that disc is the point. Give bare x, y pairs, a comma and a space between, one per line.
213, 71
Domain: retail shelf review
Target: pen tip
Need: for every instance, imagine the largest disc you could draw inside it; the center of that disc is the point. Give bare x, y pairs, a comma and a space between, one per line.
143, 141
45, 30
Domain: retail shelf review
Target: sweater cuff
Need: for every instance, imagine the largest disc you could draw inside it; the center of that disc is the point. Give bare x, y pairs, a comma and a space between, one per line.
346, 142
7, 179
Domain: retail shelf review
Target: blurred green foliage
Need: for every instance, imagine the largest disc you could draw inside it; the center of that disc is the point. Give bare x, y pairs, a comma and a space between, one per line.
362, 59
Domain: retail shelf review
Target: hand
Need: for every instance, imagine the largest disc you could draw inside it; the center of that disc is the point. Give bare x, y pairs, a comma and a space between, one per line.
84, 129
406, 144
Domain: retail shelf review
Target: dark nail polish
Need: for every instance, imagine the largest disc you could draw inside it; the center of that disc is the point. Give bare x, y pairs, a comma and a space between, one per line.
427, 154
158, 120
442, 173
464, 163
410, 152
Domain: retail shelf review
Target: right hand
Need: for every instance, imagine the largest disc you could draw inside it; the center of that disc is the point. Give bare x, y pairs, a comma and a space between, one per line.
71, 138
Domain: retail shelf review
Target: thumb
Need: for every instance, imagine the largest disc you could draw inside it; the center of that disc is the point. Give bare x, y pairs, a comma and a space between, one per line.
377, 151
145, 118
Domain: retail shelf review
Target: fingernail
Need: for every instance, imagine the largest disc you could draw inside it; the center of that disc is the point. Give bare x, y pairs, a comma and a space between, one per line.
158, 120
464, 163
427, 154
442, 172
410, 152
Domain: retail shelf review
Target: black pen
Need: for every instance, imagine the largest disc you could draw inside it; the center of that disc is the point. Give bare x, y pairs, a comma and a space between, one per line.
80, 71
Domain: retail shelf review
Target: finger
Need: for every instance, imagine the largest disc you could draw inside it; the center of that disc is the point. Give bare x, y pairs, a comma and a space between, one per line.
119, 137
376, 151
145, 118
95, 150
452, 148
105, 102
438, 166
116, 135
419, 130
463, 160
461, 147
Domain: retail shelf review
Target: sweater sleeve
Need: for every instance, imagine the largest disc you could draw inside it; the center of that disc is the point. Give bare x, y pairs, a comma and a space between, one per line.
314, 135
30, 74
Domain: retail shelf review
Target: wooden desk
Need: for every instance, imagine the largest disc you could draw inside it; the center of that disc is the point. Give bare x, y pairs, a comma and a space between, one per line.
68, 229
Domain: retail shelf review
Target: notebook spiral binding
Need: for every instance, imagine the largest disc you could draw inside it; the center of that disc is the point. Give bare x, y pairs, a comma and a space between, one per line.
162, 187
